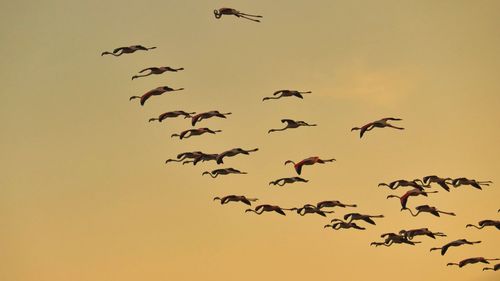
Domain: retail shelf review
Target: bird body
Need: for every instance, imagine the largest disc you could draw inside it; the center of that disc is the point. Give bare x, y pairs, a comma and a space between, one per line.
310, 209
455, 243
404, 183
225, 171
233, 152
292, 124
472, 261
156, 70
485, 223
283, 181
382, 123
465, 181
127, 50
340, 224
429, 209
205, 115
154, 92
358, 216
308, 161
286, 93
235, 198
268, 208
172, 114
195, 132
230, 11
410, 234
443, 182
333, 203
393, 238
414, 192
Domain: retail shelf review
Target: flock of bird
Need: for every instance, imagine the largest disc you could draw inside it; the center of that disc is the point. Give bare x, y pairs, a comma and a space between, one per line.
350, 220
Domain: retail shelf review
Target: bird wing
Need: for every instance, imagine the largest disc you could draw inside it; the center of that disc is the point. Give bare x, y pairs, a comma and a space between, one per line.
279, 92
288, 121
146, 69
118, 49
444, 186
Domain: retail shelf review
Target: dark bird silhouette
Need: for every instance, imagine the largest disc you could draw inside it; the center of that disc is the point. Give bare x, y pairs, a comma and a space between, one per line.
410, 234
414, 192
338, 224
195, 132
455, 243
310, 209
205, 115
291, 124
472, 261
358, 216
393, 238
229, 11
156, 70
233, 152
172, 114
268, 208
465, 181
429, 209
495, 268
235, 198
185, 155
286, 93
443, 182
154, 92
308, 161
127, 50
283, 181
404, 183
485, 223
220, 172
382, 123
333, 203
203, 157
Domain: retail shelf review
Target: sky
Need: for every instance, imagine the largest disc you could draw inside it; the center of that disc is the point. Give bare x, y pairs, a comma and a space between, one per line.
85, 194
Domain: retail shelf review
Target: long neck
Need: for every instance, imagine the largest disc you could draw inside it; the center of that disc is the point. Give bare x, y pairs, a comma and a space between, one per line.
271, 98
275, 130
154, 119
478, 227
172, 160
433, 249
409, 210
447, 213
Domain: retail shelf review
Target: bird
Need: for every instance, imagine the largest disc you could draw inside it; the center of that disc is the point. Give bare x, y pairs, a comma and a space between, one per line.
308, 161
233, 152
495, 268
429, 209
465, 181
268, 208
472, 261
154, 92
485, 223
203, 157
310, 209
291, 124
358, 216
283, 181
414, 192
172, 114
156, 70
410, 234
382, 123
127, 50
404, 183
393, 238
194, 132
338, 224
235, 198
229, 11
225, 171
205, 115
333, 203
185, 155
443, 182
455, 243
286, 93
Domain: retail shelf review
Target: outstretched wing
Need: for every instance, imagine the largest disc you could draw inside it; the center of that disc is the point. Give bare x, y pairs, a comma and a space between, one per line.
279, 92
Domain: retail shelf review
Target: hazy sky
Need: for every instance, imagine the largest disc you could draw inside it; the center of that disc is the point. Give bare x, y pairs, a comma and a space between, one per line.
84, 191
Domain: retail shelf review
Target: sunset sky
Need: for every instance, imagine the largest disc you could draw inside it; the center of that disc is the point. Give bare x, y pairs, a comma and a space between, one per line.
85, 194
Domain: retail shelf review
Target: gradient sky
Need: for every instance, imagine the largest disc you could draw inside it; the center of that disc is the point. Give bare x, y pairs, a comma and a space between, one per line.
84, 191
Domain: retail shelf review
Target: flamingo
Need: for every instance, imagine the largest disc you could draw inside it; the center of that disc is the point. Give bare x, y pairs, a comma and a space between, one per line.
338, 224
268, 208
310, 209
172, 114
410, 234
443, 182
485, 223
287, 180
429, 209
472, 261
286, 93
127, 50
455, 243
465, 181
292, 124
203, 157
154, 92
308, 161
403, 183
413, 192
333, 203
358, 216
235, 198
382, 123
225, 171
156, 70
229, 11
194, 132
393, 238
185, 155
233, 152
209, 114
495, 268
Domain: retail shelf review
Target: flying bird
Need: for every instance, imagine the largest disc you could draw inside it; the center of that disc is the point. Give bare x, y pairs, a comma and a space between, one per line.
333, 203
472, 261
443, 182
233, 152
358, 216
172, 114
428, 209
393, 238
465, 181
268, 208
205, 115
154, 92
229, 11
382, 123
235, 198
283, 181
310, 209
220, 172
185, 155
127, 50
292, 124
308, 161
203, 157
495, 268
455, 243
338, 224
410, 234
286, 93
485, 223
404, 183
156, 70
195, 132
414, 192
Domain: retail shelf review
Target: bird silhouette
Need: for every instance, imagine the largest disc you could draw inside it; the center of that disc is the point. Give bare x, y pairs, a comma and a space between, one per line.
235, 198
230, 11
172, 114
154, 92
382, 123
127, 50
286, 93
308, 161
283, 181
220, 172
455, 243
291, 124
156, 70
